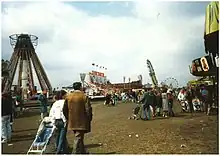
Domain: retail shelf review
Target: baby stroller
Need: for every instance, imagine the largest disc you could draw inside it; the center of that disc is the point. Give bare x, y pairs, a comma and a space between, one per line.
43, 137
196, 105
184, 105
136, 113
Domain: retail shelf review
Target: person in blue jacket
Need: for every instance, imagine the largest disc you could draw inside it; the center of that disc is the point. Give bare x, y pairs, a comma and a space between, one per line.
43, 105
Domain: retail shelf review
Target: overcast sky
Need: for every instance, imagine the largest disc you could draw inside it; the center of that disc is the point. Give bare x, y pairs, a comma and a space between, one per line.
117, 35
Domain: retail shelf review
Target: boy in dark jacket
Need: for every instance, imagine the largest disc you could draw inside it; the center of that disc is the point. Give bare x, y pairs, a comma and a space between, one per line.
43, 105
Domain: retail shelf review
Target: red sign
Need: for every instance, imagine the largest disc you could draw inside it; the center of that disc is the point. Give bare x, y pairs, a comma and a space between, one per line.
98, 73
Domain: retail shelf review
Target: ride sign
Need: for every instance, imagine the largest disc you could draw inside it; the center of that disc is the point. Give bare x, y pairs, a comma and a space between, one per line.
204, 64
203, 67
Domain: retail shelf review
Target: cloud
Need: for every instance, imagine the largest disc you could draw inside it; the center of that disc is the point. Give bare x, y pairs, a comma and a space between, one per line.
70, 39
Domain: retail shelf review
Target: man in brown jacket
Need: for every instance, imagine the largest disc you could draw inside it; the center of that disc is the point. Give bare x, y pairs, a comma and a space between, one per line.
78, 112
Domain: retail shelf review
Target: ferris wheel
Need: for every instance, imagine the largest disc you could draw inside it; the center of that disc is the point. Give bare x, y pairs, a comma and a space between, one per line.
171, 82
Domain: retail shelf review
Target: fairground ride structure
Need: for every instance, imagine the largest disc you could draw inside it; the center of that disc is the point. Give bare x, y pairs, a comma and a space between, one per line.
170, 82
152, 73
23, 57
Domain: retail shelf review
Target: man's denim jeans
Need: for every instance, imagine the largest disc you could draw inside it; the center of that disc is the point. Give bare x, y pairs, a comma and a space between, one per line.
170, 109
146, 112
6, 128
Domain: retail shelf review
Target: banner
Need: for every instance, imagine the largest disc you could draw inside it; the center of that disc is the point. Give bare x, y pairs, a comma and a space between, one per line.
98, 73
97, 77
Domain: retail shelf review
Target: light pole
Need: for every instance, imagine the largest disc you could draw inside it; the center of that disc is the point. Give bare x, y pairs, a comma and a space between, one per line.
129, 81
124, 81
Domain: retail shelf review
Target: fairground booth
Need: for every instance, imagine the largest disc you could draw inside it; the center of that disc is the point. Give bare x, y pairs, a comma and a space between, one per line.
207, 67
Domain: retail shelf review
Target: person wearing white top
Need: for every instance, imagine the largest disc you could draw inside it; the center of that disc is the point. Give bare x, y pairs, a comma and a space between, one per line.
56, 111
59, 120
165, 103
181, 95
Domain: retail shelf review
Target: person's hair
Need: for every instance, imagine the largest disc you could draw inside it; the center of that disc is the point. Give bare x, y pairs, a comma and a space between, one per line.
60, 94
77, 85
57, 96
63, 93
164, 90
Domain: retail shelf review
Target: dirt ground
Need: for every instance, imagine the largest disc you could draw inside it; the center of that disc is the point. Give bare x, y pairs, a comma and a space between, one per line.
111, 128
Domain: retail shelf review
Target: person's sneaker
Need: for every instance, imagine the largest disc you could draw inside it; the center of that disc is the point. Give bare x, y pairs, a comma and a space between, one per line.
4, 141
9, 140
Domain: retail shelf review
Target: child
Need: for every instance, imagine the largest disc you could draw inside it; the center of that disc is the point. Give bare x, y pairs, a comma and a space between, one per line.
114, 99
136, 112
107, 99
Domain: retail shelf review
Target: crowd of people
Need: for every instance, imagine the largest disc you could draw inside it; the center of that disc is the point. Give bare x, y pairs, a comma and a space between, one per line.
112, 97
73, 110
152, 102
203, 94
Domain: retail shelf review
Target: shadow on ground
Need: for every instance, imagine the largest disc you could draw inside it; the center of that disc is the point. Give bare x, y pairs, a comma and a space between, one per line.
29, 113
25, 130
18, 138
89, 146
